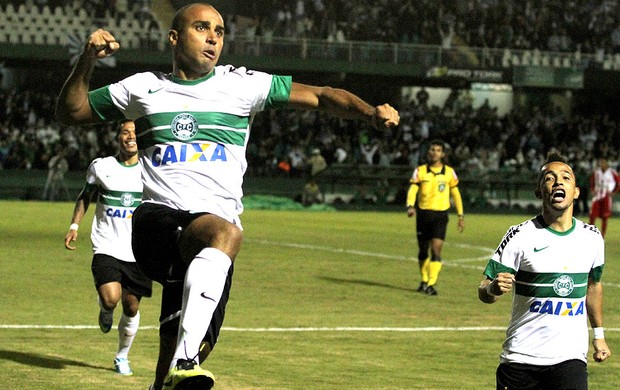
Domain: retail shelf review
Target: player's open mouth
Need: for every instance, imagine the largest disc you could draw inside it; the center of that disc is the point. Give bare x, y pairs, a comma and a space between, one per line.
210, 54
558, 195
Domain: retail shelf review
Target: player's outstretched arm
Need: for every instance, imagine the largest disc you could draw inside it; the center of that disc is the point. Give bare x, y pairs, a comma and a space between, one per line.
72, 106
342, 104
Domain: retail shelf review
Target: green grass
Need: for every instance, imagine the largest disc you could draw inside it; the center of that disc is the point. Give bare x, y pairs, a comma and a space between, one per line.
321, 300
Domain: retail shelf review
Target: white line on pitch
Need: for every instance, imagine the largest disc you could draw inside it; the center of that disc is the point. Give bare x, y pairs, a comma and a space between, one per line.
449, 263
487, 256
301, 329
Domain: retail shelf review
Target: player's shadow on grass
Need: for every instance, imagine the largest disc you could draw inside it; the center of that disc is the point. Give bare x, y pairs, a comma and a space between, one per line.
362, 282
38, 360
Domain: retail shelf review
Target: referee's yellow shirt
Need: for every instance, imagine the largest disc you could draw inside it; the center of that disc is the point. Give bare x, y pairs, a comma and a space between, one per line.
434, 185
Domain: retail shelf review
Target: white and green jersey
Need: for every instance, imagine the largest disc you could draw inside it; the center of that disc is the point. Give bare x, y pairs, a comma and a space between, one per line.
192, 135
549, 322
120, 192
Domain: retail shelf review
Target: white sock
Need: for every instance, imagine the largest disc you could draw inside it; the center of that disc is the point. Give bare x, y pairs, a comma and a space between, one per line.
204, 284
127, 329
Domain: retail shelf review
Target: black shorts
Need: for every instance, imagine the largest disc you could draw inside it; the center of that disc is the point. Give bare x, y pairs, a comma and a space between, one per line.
154, 239
156, 230
568, 375
431, 224
108, 269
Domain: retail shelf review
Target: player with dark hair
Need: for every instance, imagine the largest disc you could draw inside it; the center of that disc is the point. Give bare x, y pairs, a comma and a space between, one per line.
428, 199
553, 266
193, 128
115, 183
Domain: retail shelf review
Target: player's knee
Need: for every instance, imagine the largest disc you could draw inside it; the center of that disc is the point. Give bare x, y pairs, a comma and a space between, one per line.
232, 233
109, 302
131, 309
228, 240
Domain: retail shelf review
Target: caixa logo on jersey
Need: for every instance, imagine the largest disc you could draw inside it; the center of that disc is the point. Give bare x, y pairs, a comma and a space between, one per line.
119, 213
184, 126
558, 308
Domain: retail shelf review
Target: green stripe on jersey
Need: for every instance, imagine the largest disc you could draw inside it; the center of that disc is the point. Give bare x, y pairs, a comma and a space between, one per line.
102, 99
118, 198
548, 291
551, 285
212, 126
549, 278
493, 268
279, 92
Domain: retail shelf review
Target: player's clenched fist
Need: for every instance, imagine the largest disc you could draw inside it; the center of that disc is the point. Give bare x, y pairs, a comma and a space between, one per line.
101, 44
601, 350
385, 116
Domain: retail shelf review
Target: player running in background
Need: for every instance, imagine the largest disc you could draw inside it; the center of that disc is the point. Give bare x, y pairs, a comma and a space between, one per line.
428, 200
604, 183
193, 126
553, 264
116, 185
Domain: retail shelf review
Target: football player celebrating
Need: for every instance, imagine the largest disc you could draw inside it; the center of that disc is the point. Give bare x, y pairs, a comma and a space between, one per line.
553, 266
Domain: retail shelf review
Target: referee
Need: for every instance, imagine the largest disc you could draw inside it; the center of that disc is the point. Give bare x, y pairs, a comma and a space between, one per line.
429, 200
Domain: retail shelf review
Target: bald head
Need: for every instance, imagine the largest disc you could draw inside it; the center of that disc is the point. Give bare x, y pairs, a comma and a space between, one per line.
181, 17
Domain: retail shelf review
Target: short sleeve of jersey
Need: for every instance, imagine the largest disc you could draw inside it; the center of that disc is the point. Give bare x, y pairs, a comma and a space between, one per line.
113, 102
91, 174
103, 106
599, 261
263, 90
506, 258
279, 92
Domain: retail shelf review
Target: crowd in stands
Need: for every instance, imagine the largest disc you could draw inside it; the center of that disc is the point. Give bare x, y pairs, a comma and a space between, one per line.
478, 137
555, 25
586, 26
282, 141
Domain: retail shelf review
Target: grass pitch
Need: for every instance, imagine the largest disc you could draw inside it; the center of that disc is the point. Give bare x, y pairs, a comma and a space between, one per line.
321, 300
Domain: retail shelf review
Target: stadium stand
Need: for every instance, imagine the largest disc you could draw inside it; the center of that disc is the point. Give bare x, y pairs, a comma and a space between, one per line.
589, 32
483, 144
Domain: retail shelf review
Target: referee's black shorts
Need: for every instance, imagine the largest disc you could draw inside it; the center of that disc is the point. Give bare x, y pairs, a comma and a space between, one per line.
431, 224
156, 230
